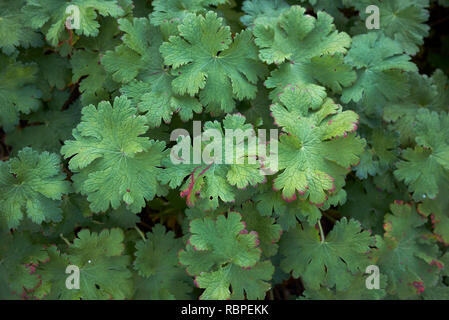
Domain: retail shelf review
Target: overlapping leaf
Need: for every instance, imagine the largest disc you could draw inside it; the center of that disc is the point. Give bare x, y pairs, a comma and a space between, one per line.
31, 184
222, 167
52, 16
331, 261
14, 32
426, 166
113, 162
103, 267
401, 20
207, 60
157, 264
308, 153
309, 50
19, 257
221, 253
407, 253
380, 63
47, 128
18, 93
138, 64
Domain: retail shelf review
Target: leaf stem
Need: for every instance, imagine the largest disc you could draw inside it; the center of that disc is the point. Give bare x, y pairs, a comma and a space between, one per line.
140, 233
65, 239
321, 232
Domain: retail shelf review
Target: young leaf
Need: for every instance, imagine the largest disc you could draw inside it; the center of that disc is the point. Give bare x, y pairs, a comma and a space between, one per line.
308, 153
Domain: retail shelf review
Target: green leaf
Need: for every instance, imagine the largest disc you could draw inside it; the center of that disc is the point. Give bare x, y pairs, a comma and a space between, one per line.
401, 20
87, 63
270, 202
14, 32
139, 65
32, 184
368, 204
18, 93
356, 290
425, 166
157, 262
221, 176
402, 114
48, 127
382, 154
158, 253
51, 15
221, 253
438, 210
19, 257
330, 261
407, 253
251, 283
262, 11
380, 63
308, 153
103, 267
206, 60
267, 230
309, 50
175, 10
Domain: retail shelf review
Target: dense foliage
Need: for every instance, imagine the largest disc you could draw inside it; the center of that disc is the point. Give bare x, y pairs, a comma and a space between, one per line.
86, 177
